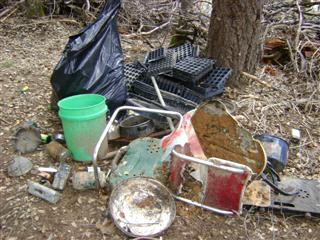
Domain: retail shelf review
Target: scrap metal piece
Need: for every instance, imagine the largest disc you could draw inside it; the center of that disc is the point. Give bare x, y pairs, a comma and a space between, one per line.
221, 136
19, 166
197, 204
306, 201
274, 184
87, 180
27, 137
118, 156
142, 207
61, 177
155, 85
43, 192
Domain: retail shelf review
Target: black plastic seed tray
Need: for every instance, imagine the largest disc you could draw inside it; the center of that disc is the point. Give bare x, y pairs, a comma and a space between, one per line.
213, 84
208, 91
175, 88
172, 100
192, 69
161, 66
186, 50
217, 77
132, 72
155, 55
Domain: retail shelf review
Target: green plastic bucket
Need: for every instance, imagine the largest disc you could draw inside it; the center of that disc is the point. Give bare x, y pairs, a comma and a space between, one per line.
83, 120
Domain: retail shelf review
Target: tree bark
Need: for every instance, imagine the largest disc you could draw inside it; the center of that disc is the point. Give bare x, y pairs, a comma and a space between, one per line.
234, 36
183, 32
34, 8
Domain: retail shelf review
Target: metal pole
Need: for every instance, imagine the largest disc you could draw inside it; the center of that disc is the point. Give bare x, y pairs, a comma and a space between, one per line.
215, 162
216, 210
154, 82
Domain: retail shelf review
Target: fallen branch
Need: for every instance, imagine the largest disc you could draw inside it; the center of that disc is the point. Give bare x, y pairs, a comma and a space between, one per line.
149, 32
9, 9
256, 79
6, 17
88, 5
49, 21
290, 5
5, 121
297, 39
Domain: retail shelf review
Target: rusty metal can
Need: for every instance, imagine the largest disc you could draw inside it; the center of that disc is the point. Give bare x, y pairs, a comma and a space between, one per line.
43, 192
57, 151
86, 180
61, 177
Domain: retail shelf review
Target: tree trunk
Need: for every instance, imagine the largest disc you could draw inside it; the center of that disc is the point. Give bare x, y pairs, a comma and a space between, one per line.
34, 8
183, 32
234, 36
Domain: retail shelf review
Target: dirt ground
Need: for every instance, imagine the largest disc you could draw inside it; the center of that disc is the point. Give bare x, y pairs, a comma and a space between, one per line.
28, 55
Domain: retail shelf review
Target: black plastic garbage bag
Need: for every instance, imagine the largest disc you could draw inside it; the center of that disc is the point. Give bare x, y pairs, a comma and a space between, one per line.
92, 61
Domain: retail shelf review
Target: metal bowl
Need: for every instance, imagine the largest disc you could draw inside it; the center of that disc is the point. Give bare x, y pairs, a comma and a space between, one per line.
136, 126
142, 207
